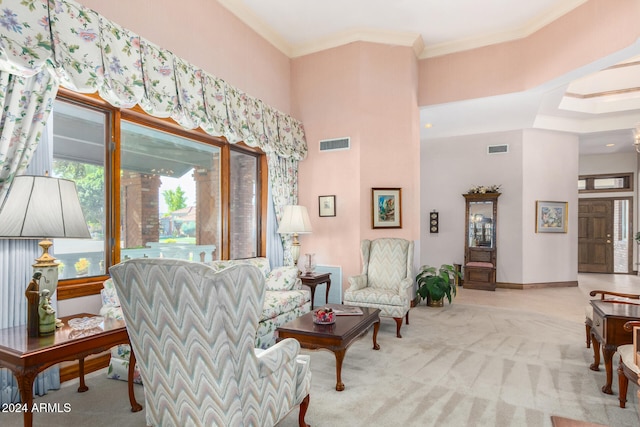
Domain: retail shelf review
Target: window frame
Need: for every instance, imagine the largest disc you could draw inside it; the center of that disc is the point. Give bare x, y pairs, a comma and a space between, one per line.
77, 287
590, 179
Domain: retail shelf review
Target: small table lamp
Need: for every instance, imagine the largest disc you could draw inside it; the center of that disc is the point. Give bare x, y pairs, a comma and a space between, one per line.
295, 220
42, 207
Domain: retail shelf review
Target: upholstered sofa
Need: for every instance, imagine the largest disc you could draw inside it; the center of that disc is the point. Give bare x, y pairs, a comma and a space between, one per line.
285, 300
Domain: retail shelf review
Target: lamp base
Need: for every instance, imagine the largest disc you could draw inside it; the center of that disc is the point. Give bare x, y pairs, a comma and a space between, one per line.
295, 249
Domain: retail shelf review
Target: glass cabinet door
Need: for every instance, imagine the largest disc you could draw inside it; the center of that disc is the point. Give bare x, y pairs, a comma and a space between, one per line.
480, 232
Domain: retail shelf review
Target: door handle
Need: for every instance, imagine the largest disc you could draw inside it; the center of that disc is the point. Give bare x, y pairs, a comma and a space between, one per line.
608, 241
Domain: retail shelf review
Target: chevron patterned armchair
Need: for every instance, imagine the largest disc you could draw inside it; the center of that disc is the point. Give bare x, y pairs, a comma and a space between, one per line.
193, 332
386, 281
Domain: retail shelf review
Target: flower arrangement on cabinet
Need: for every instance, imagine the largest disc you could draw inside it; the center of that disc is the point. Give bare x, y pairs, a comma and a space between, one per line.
482, 189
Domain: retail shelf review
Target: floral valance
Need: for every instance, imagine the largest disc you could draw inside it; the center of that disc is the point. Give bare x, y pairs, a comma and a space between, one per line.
90, 53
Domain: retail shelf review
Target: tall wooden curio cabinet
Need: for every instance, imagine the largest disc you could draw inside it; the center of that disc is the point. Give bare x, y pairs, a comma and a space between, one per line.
480, 251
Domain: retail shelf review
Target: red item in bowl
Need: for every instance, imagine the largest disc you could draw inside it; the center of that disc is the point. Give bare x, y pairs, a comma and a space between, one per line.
325, 315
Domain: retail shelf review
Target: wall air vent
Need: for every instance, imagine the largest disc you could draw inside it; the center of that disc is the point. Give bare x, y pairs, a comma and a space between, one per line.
335, 144
498, 149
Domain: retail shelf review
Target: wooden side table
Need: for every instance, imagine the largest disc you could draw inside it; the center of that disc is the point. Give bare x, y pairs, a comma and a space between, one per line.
314, 279
26, 356
607, 332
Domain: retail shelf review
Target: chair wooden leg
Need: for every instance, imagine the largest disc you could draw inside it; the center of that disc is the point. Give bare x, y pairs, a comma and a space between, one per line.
588, 329
407, 317
303, 411
623, 384
398, 325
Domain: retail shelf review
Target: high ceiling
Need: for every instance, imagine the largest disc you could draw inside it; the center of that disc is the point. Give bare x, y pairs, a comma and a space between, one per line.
601, 107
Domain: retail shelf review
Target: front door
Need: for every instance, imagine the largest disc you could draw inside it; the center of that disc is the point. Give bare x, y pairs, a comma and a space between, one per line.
595, 236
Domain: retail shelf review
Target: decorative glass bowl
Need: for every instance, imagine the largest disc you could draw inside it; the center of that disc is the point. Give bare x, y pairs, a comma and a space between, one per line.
84, 323
324, 316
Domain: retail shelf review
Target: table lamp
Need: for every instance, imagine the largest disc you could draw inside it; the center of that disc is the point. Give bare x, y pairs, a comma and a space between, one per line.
295, 220
42, 207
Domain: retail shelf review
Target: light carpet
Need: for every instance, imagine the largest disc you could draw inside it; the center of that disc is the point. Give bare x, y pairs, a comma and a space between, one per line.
460, 365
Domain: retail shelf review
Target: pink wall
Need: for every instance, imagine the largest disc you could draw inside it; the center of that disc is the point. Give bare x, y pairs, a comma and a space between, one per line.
588, 33
371, 93
210, 37
368, 92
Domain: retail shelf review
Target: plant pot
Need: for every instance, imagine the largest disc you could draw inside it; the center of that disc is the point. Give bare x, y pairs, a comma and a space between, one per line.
435, 303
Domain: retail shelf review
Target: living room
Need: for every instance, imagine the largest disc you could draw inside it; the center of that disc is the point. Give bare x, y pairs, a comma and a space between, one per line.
346, 99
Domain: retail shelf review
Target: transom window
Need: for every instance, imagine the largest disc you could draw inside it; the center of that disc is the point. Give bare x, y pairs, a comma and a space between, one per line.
605, 183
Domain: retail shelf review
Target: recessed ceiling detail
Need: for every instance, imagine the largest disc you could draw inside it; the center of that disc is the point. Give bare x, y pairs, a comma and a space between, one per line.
615, 89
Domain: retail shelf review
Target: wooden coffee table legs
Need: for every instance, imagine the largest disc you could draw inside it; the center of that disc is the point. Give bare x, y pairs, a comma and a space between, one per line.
376, 326
340, 352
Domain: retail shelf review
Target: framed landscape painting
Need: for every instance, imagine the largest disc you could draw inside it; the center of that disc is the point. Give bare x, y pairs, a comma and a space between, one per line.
386, 208
551, 217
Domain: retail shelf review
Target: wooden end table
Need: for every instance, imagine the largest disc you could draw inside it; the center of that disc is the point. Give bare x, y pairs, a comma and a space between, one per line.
27, 356
336, 337
314, 279
608, 331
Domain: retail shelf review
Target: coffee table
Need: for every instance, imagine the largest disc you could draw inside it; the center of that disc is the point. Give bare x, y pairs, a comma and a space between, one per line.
336, 337
26, 356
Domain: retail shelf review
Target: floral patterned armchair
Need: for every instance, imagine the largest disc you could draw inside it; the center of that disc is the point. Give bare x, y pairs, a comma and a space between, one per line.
193, 331
386, 281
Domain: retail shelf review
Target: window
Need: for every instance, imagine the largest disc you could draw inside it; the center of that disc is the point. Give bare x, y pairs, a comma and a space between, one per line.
149, 188
169, 195
605, 183
243, 205
582, 184
79, 154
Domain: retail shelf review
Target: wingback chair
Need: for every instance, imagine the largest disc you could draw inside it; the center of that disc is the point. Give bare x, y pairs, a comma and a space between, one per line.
386, 281
629, 365
193, 333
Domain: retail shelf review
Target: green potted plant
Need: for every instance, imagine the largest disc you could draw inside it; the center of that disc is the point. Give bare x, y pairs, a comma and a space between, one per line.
435, 284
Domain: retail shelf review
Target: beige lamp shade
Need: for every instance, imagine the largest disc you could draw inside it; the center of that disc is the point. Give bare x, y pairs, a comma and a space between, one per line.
40, 207
295, 220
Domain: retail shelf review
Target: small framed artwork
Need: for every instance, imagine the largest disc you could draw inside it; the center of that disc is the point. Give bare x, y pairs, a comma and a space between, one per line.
327, 205
386, 205
551, 217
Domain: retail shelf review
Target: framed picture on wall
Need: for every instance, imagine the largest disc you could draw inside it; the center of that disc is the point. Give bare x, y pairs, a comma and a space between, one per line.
551, 217
327, 205
386, 208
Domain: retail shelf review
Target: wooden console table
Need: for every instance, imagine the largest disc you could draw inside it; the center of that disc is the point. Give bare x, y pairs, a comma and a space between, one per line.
26, 356
314, 279
608, 331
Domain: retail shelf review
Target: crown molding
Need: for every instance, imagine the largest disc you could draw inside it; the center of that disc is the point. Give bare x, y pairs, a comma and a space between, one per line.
253, 21
526, 30
393, 38
398, 38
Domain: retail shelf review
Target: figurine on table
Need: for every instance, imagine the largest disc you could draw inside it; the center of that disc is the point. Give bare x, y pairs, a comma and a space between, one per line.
33, 295
46, 313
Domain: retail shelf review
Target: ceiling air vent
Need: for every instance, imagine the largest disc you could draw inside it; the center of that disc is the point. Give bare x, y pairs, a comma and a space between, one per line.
498, 149
335, 144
